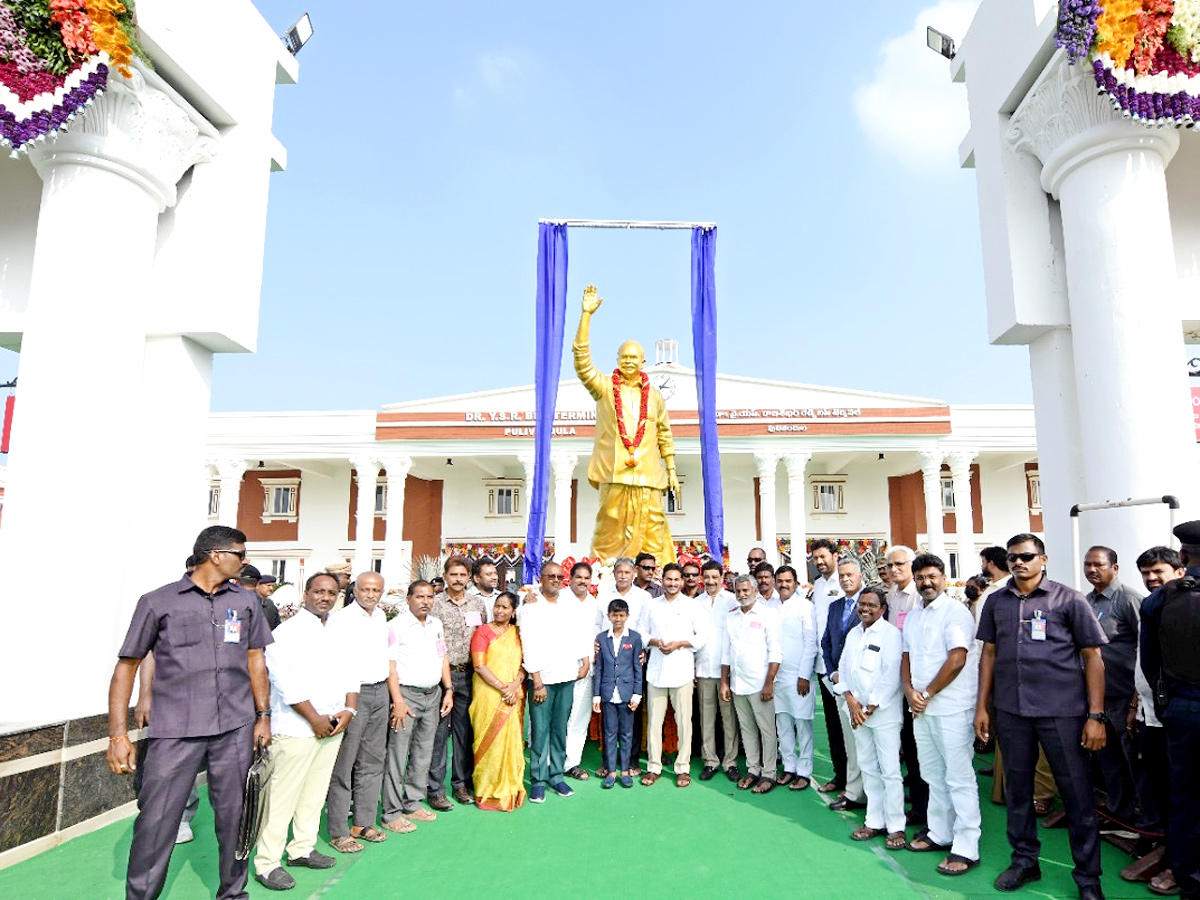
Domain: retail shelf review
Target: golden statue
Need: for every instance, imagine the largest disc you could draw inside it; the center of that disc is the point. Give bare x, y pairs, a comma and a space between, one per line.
633, 459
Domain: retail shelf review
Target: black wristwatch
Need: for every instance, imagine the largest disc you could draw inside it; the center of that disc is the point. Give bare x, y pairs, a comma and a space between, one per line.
1100, 717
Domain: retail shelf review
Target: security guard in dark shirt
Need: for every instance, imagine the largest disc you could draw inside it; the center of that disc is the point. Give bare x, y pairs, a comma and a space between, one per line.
211, 704
1171, 663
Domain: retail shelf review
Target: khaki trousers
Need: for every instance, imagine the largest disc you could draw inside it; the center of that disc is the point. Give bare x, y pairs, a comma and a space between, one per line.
300, 772
756, 719
681, 701
710, 703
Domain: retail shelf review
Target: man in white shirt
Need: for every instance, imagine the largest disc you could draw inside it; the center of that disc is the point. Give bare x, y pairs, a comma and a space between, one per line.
717, 604
485, 582
749, 664
551, 645
581, 701
314, 696
939, 673
676, 626
902, 599
358, 772
764, 576
622, 587
421, 667
795, 693
826, 590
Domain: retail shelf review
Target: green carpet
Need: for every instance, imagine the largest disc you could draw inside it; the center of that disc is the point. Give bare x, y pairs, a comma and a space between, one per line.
709, 840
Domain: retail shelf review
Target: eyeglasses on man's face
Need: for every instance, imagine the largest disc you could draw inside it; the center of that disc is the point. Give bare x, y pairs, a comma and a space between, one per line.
240, 554
1023, 557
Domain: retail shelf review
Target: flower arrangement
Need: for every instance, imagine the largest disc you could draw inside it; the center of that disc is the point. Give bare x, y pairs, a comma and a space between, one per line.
55, 58
697, 550
1145, 54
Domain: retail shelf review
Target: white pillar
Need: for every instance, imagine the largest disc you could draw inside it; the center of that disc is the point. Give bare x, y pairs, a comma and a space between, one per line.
766, 462
796, 463
964, 517
1109, 176
122, 159
931, 482
229, 480
366, 473
526, 460
562, 465
396, 568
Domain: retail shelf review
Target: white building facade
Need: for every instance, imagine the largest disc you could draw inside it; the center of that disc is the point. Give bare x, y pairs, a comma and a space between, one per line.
451, 474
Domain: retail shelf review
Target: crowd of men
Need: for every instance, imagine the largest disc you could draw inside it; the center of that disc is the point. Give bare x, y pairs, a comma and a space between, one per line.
361, 713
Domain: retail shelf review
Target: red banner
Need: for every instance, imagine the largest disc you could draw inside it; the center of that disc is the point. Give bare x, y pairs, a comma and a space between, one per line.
8, 411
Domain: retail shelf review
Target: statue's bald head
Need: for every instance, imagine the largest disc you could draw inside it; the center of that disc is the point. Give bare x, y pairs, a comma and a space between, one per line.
631, 353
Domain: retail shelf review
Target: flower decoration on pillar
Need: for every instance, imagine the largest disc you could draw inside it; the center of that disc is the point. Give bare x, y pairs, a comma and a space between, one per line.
55, 58
1144, 54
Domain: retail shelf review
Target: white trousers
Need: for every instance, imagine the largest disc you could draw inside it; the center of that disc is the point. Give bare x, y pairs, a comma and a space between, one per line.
854, 780
300, 772
879, 759
945, 746
795, 744
581, 716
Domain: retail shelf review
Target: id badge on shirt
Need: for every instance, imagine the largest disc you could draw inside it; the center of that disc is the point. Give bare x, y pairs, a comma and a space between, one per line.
472, 619
903, 614
441, 646
233, 627
1037, 627
870, 658
756, 624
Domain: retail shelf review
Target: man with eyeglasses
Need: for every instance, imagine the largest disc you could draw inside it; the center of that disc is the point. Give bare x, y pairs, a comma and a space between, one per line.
645, 567
902, 598
211, 702
1041, 662
755, 558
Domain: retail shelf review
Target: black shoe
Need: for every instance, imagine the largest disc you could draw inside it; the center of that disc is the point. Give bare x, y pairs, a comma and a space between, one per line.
1015, 876
1092, 892
439, 802
463, 796
276, 880
314, 860
707, 773
844, 803
733, 774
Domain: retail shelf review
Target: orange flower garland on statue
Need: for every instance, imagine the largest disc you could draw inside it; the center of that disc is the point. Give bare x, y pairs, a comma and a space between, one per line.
642, 415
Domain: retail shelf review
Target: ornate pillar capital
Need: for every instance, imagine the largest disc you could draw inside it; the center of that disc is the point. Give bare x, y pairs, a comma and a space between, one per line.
766, 461
227, 468
1065, 122
366, 468
562, 464
796, 464
931, 462
960, 462
140, 129
397, 466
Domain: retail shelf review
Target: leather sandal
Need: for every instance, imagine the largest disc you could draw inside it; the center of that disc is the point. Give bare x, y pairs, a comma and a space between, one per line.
765, 785
367, 833
863, 833
345, 844
683, 780
967, 865
800, 784
897, 840
649, 778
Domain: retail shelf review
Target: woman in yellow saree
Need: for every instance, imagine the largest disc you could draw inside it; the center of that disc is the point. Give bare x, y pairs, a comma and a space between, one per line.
497, 709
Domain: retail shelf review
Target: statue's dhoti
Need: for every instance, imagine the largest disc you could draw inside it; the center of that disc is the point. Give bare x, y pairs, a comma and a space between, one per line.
631, 520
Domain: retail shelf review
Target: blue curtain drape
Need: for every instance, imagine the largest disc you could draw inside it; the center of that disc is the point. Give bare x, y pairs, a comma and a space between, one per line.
704, 346
551, 316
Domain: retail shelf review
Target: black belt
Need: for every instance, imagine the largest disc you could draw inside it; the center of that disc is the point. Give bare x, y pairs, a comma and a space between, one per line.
375, 684
464, 667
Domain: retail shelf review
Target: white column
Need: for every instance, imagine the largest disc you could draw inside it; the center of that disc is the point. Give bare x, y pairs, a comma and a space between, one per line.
85, 375
229, 479
766, 462
796, 464
931, 482
396, 568
964, 518
1109, 176
526, 460
366, 474
562, 465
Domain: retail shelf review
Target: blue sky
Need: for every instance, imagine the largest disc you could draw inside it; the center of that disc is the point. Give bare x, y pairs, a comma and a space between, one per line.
426, 140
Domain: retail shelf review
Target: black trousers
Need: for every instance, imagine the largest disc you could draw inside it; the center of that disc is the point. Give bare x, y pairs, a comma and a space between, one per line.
1126, 780
1151, 746
456, 727
1181, 719
1060, 737
169, 773
918, 790
833, 727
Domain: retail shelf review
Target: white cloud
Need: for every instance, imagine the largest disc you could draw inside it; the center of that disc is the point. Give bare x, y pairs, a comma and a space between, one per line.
501, 74
910, 109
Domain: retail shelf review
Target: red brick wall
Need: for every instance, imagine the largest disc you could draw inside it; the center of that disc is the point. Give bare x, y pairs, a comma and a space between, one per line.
250, 508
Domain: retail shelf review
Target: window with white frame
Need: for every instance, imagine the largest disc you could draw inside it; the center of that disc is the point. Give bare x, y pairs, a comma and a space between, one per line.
1035, 490
381, 499
503, 498
947, 494
214, 500
829, 494
280, 499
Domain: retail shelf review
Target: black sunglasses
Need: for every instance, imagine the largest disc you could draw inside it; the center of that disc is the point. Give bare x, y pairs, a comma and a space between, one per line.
1023, 557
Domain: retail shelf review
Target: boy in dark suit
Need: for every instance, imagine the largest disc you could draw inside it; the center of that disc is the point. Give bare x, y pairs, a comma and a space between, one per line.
618, 678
